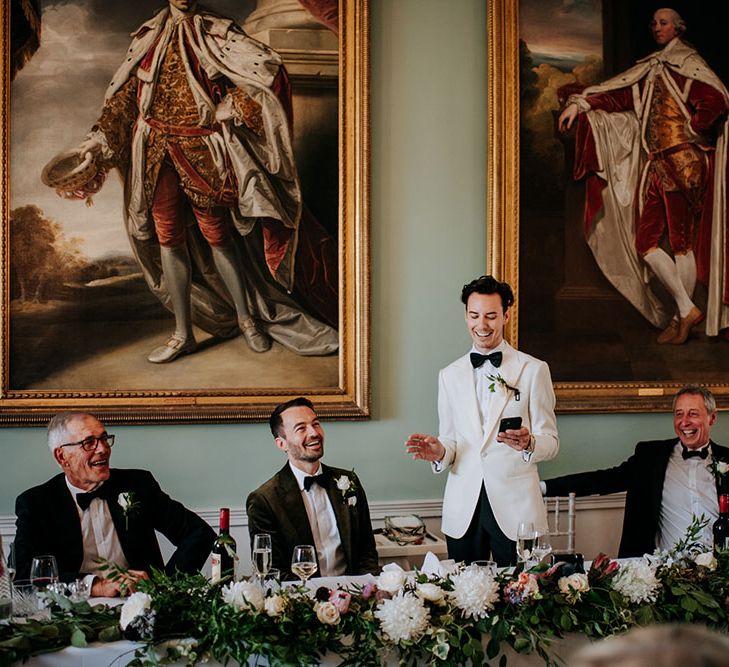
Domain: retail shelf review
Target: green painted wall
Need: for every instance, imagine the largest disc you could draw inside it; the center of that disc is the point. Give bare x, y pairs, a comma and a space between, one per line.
428, 238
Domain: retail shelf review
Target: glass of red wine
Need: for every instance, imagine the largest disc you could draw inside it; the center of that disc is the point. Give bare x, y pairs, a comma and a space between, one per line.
43, 572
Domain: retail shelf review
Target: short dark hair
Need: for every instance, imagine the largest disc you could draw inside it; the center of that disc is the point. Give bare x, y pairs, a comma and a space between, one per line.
276, 421
488, 285
696, 390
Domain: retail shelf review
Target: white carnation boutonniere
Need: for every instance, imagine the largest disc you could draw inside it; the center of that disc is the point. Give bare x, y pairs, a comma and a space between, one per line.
129, 505
503, 384
347, 488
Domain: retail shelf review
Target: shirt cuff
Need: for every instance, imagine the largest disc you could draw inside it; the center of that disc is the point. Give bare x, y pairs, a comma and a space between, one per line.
438, 466
543, 488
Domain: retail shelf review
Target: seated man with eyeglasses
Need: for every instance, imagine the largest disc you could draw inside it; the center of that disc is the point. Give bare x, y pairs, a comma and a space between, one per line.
91, 512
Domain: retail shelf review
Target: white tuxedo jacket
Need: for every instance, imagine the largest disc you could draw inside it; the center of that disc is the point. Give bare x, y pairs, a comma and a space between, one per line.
474, 456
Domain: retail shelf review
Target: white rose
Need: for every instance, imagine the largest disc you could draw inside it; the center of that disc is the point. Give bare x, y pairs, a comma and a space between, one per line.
577, 582
123, 500
722, 467
430, 592
707, 560
275, 605
243, 594
391, 581
352, 501
327, 613
136, 605
343, 483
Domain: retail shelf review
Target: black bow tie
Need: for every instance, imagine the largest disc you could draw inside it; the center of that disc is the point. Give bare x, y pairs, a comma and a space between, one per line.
477, 360
689, 453
84, 499
321, 480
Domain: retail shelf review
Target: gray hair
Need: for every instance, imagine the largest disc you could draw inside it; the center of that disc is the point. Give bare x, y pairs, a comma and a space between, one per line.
696, 390
675, 17
58, 427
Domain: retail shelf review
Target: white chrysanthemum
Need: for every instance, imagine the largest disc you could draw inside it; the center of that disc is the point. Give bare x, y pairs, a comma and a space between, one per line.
244, 594
136, 605
403, 617
474, 592
637, 581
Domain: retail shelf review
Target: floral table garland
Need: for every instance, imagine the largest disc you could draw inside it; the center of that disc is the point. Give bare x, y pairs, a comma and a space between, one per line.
437, 620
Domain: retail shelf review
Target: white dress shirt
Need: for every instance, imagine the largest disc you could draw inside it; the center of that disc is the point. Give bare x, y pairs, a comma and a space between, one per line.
689, 490
482, 382
323, 525
100, 539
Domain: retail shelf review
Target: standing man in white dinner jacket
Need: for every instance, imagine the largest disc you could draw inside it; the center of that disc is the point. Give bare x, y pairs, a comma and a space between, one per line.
493, 483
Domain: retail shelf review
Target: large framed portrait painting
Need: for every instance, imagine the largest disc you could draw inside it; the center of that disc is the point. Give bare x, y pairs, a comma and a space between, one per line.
611, 218
185, 208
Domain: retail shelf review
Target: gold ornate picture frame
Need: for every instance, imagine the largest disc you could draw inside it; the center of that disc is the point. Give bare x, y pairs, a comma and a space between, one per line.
592, 372
98, 364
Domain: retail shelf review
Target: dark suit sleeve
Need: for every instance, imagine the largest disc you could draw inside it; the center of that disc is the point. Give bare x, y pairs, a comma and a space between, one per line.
25, 544
368, 561
600, 482
40, 529
192, 536
262, 519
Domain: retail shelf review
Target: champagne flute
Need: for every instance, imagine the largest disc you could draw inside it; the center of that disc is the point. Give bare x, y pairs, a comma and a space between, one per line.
261, 556
43, 571
542, 547
11, 563
303, 562
525, 538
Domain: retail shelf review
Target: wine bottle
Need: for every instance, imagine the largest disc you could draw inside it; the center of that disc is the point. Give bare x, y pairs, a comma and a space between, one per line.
721, 525
224, 554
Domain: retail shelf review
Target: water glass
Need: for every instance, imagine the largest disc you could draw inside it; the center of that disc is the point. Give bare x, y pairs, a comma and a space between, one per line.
79, 590
488, 565
26, 602
525, 538
542, 547
43, 571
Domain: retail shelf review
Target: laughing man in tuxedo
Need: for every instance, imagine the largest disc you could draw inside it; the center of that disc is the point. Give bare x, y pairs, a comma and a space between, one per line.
668, 482
91, 511
493, 483
307, 502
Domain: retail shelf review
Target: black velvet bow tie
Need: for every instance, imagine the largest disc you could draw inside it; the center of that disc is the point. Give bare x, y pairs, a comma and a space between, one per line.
84, 499
321, 480
689, 453
477, 360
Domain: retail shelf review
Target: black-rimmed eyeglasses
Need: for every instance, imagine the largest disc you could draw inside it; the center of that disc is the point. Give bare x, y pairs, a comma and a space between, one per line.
89, 444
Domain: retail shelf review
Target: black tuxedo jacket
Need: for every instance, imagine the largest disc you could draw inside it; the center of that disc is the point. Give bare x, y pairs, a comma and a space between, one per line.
277, 508
642, 477
48, 523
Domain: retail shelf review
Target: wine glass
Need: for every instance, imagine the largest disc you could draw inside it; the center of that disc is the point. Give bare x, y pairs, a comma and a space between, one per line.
303, 562
542, 547
261, 555
43, 571
525, 538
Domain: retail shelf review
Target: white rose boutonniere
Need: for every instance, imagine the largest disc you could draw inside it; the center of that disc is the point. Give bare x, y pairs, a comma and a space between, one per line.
129, 505
347, 488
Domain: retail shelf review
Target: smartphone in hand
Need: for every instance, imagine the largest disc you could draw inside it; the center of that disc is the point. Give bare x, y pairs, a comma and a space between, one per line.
509, 424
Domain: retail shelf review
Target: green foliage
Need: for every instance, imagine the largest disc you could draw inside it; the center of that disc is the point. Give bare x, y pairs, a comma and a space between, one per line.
194, 621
